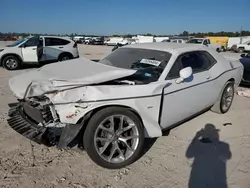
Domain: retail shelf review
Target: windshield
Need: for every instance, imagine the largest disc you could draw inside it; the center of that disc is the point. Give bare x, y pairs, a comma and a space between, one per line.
148, 63
195, 41
17, 42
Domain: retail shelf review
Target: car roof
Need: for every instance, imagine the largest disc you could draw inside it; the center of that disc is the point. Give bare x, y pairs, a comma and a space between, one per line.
168, 47
65, 38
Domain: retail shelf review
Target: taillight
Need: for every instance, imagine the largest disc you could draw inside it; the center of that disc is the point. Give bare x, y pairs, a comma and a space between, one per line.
75, 45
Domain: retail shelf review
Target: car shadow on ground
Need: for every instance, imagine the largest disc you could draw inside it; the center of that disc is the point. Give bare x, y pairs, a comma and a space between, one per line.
210, 157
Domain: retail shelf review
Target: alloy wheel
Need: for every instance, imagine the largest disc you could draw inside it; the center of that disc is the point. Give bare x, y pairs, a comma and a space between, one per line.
227, 97
11, 63
116, 138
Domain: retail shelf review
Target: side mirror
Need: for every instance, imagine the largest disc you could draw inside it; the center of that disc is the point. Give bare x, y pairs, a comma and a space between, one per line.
184, 74
243, 55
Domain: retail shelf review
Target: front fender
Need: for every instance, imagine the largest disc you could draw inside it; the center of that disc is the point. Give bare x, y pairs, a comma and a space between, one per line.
147, 109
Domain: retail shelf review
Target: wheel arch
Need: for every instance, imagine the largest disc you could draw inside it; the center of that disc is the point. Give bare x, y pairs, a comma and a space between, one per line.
150, 128
215, 107
10, 54
90, 113
76, 137
231, 80
241, 47
65, 53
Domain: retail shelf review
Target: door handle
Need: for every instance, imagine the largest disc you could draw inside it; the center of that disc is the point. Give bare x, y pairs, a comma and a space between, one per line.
33, 48
60, 47
208, 77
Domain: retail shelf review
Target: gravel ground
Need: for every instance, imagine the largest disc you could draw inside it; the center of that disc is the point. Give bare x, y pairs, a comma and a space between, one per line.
172, 161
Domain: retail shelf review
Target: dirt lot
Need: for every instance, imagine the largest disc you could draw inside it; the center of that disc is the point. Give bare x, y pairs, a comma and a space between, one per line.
170, 161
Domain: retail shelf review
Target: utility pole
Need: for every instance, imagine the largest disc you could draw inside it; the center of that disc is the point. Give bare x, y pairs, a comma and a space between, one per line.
240, 34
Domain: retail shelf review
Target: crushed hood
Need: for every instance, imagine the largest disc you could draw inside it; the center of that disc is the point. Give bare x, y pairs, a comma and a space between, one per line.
64, 75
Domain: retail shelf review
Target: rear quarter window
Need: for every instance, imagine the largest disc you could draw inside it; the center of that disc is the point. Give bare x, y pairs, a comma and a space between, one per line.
55, 42
198, 60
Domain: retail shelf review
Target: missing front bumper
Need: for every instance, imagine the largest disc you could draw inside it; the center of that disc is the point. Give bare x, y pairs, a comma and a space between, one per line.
25, 119
21, 124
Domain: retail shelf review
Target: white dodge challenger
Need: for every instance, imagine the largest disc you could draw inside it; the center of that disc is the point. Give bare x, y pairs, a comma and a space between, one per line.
136, 92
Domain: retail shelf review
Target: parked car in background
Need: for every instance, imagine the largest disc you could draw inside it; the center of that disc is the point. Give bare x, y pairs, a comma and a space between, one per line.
97, 41
127, 41
78, 39
166, 40
144, 39
124, 42
206, 42
241, 48
36, 50
160, 39
137, 91
88, 40
233, 41
113, 41
178, 41
245, 60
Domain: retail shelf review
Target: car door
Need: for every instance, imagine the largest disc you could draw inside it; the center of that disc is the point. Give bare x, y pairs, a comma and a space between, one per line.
205, 42
183, 100
29, 50
54, 47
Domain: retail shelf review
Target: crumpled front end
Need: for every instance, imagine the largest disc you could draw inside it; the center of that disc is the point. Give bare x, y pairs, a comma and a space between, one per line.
19, 121
54, 105
37, 120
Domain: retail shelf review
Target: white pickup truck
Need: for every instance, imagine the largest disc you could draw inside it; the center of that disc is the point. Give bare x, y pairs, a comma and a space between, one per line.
245, 47
36, 50
206, 42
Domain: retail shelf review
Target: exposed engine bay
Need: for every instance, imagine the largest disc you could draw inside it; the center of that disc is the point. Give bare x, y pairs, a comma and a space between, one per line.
49, 117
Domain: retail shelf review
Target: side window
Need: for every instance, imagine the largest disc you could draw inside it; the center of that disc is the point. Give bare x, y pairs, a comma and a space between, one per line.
205, 42
179, 41
55, 42
208, 41
174, 71
208, 58
248, 43
31, 42
199, 61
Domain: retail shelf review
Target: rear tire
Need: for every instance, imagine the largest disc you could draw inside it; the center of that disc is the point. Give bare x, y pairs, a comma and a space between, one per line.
11, 63
241, 50
224, 49
110, 147
64, 57
225, 100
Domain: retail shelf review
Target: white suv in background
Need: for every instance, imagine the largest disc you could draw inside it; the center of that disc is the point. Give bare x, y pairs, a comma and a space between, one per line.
36, 50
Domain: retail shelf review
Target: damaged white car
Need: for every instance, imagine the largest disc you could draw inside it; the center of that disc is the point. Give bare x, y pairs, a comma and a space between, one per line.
110, 106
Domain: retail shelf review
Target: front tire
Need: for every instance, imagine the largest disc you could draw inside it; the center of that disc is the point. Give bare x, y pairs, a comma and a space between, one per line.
11, 63
226, 99
114, 137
